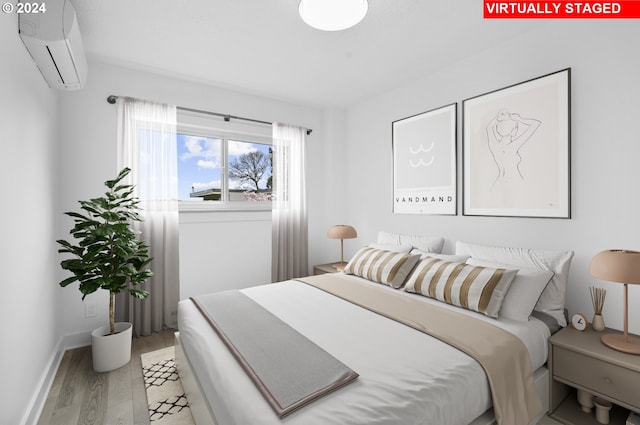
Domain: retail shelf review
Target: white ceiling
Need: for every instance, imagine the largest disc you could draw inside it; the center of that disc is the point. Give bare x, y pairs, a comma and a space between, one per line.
263, 47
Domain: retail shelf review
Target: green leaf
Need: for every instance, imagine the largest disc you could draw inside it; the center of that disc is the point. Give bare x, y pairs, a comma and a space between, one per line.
63, 243
111, 183
78, 216
68, 280
90, 286
138, 293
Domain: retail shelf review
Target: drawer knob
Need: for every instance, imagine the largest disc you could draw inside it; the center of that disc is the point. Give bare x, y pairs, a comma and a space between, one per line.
608, 380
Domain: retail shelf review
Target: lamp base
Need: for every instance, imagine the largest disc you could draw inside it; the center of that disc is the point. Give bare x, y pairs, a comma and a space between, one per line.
630, 344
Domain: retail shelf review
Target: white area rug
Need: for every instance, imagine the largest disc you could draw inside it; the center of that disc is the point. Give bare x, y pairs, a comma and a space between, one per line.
165, 396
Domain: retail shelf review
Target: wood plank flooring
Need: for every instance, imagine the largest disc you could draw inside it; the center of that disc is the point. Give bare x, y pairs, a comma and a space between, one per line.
80, 396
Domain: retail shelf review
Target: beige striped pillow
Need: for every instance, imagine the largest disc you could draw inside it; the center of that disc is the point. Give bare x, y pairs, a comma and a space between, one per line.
382, 266
476, 288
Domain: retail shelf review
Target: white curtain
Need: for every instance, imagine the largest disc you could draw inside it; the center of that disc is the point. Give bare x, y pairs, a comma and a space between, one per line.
289, 216
147, 145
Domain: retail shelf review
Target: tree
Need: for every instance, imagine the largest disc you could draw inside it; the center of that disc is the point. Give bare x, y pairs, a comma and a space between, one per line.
249, 167
107, 253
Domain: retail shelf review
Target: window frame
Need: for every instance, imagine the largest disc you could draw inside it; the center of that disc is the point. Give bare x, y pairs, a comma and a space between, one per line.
211, 128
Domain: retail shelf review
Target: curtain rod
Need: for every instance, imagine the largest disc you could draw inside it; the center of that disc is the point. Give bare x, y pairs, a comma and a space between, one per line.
113, 98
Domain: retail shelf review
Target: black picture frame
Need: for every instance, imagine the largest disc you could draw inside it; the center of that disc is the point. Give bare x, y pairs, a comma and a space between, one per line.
425, 162
516, 150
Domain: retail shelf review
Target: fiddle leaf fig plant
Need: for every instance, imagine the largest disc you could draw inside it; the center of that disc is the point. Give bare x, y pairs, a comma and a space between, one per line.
106, 253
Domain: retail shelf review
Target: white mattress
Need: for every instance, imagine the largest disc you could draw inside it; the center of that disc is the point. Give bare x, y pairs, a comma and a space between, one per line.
406, 377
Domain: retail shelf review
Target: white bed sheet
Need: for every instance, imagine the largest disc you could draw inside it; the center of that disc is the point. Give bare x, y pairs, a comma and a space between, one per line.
406, 377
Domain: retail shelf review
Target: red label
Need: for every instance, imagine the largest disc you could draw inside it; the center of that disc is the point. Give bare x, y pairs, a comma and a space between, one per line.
623, 9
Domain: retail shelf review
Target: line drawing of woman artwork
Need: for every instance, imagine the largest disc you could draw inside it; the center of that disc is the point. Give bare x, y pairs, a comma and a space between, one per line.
507, 132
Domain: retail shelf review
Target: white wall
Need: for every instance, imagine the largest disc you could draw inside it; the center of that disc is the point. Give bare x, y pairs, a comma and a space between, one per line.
218, 250
605, 150
224, 250
29, 310
326, 189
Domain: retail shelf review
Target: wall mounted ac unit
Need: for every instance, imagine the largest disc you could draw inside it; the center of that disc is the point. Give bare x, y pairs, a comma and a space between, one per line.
53, 41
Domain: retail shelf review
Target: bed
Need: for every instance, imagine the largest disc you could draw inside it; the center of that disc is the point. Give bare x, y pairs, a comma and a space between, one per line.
405, 375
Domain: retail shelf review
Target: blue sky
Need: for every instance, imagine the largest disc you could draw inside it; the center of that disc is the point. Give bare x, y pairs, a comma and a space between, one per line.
200, 162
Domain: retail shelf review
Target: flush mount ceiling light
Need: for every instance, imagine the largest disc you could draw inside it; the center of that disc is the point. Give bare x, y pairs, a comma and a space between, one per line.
332, 15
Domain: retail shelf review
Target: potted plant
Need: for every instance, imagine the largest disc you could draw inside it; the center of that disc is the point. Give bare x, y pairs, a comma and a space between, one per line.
107, 254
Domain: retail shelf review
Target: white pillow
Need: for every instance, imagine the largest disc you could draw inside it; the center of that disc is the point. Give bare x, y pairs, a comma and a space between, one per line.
446, 257
524, 292
552, 298
391, 247
425, 243
480, 289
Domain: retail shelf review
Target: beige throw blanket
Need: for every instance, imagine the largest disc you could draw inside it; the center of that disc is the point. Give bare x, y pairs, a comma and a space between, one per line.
503, 356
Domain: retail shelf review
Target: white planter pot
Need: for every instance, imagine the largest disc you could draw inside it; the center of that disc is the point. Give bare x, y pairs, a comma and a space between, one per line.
111, 352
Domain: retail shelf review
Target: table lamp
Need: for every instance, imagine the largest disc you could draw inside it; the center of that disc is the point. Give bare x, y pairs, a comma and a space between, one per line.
342, 232
622, 266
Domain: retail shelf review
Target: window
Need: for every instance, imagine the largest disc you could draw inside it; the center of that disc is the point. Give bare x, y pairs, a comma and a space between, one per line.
222, 168
199, 167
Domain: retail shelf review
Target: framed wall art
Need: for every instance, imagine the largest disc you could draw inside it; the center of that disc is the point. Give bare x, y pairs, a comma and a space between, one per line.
516, 150
424, 163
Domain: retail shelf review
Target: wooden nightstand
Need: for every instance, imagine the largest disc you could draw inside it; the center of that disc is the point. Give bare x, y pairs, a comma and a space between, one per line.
579, 360
324, 268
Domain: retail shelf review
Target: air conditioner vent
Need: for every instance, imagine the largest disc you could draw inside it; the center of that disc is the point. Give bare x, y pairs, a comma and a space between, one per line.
53, 41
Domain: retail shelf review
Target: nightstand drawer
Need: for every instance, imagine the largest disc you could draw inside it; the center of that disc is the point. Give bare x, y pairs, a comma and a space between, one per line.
614, 381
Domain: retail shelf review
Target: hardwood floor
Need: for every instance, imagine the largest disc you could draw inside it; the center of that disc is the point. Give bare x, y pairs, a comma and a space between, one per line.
80, 396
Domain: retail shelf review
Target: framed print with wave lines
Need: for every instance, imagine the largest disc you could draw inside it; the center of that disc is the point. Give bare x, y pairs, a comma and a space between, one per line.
424, 162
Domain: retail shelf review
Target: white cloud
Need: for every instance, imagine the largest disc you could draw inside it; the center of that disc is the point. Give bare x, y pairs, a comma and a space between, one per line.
239, 148
207, 164
205, 185
201, 147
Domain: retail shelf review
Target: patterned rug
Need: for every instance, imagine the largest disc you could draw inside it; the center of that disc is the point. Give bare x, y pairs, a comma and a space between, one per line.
165, 396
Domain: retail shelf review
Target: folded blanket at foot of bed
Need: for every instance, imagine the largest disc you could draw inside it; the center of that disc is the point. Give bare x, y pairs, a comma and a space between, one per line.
287, 368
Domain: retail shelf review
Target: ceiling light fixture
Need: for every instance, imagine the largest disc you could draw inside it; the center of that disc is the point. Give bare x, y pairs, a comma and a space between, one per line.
332, 15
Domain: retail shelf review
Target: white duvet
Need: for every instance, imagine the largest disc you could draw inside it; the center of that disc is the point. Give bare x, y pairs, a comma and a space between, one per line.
406, 377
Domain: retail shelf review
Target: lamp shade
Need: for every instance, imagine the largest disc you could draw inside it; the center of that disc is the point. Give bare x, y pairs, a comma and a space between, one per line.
616, 265
622, 266
332, 15
341, 231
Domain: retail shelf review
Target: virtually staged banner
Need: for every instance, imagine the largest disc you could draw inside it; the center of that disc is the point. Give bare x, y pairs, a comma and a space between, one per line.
624, 9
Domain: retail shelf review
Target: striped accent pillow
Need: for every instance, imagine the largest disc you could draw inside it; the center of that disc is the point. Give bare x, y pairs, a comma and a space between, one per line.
476, 288
382, 266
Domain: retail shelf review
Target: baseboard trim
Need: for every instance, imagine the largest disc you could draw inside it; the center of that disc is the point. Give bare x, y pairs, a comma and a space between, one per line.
36, 404
78, 340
